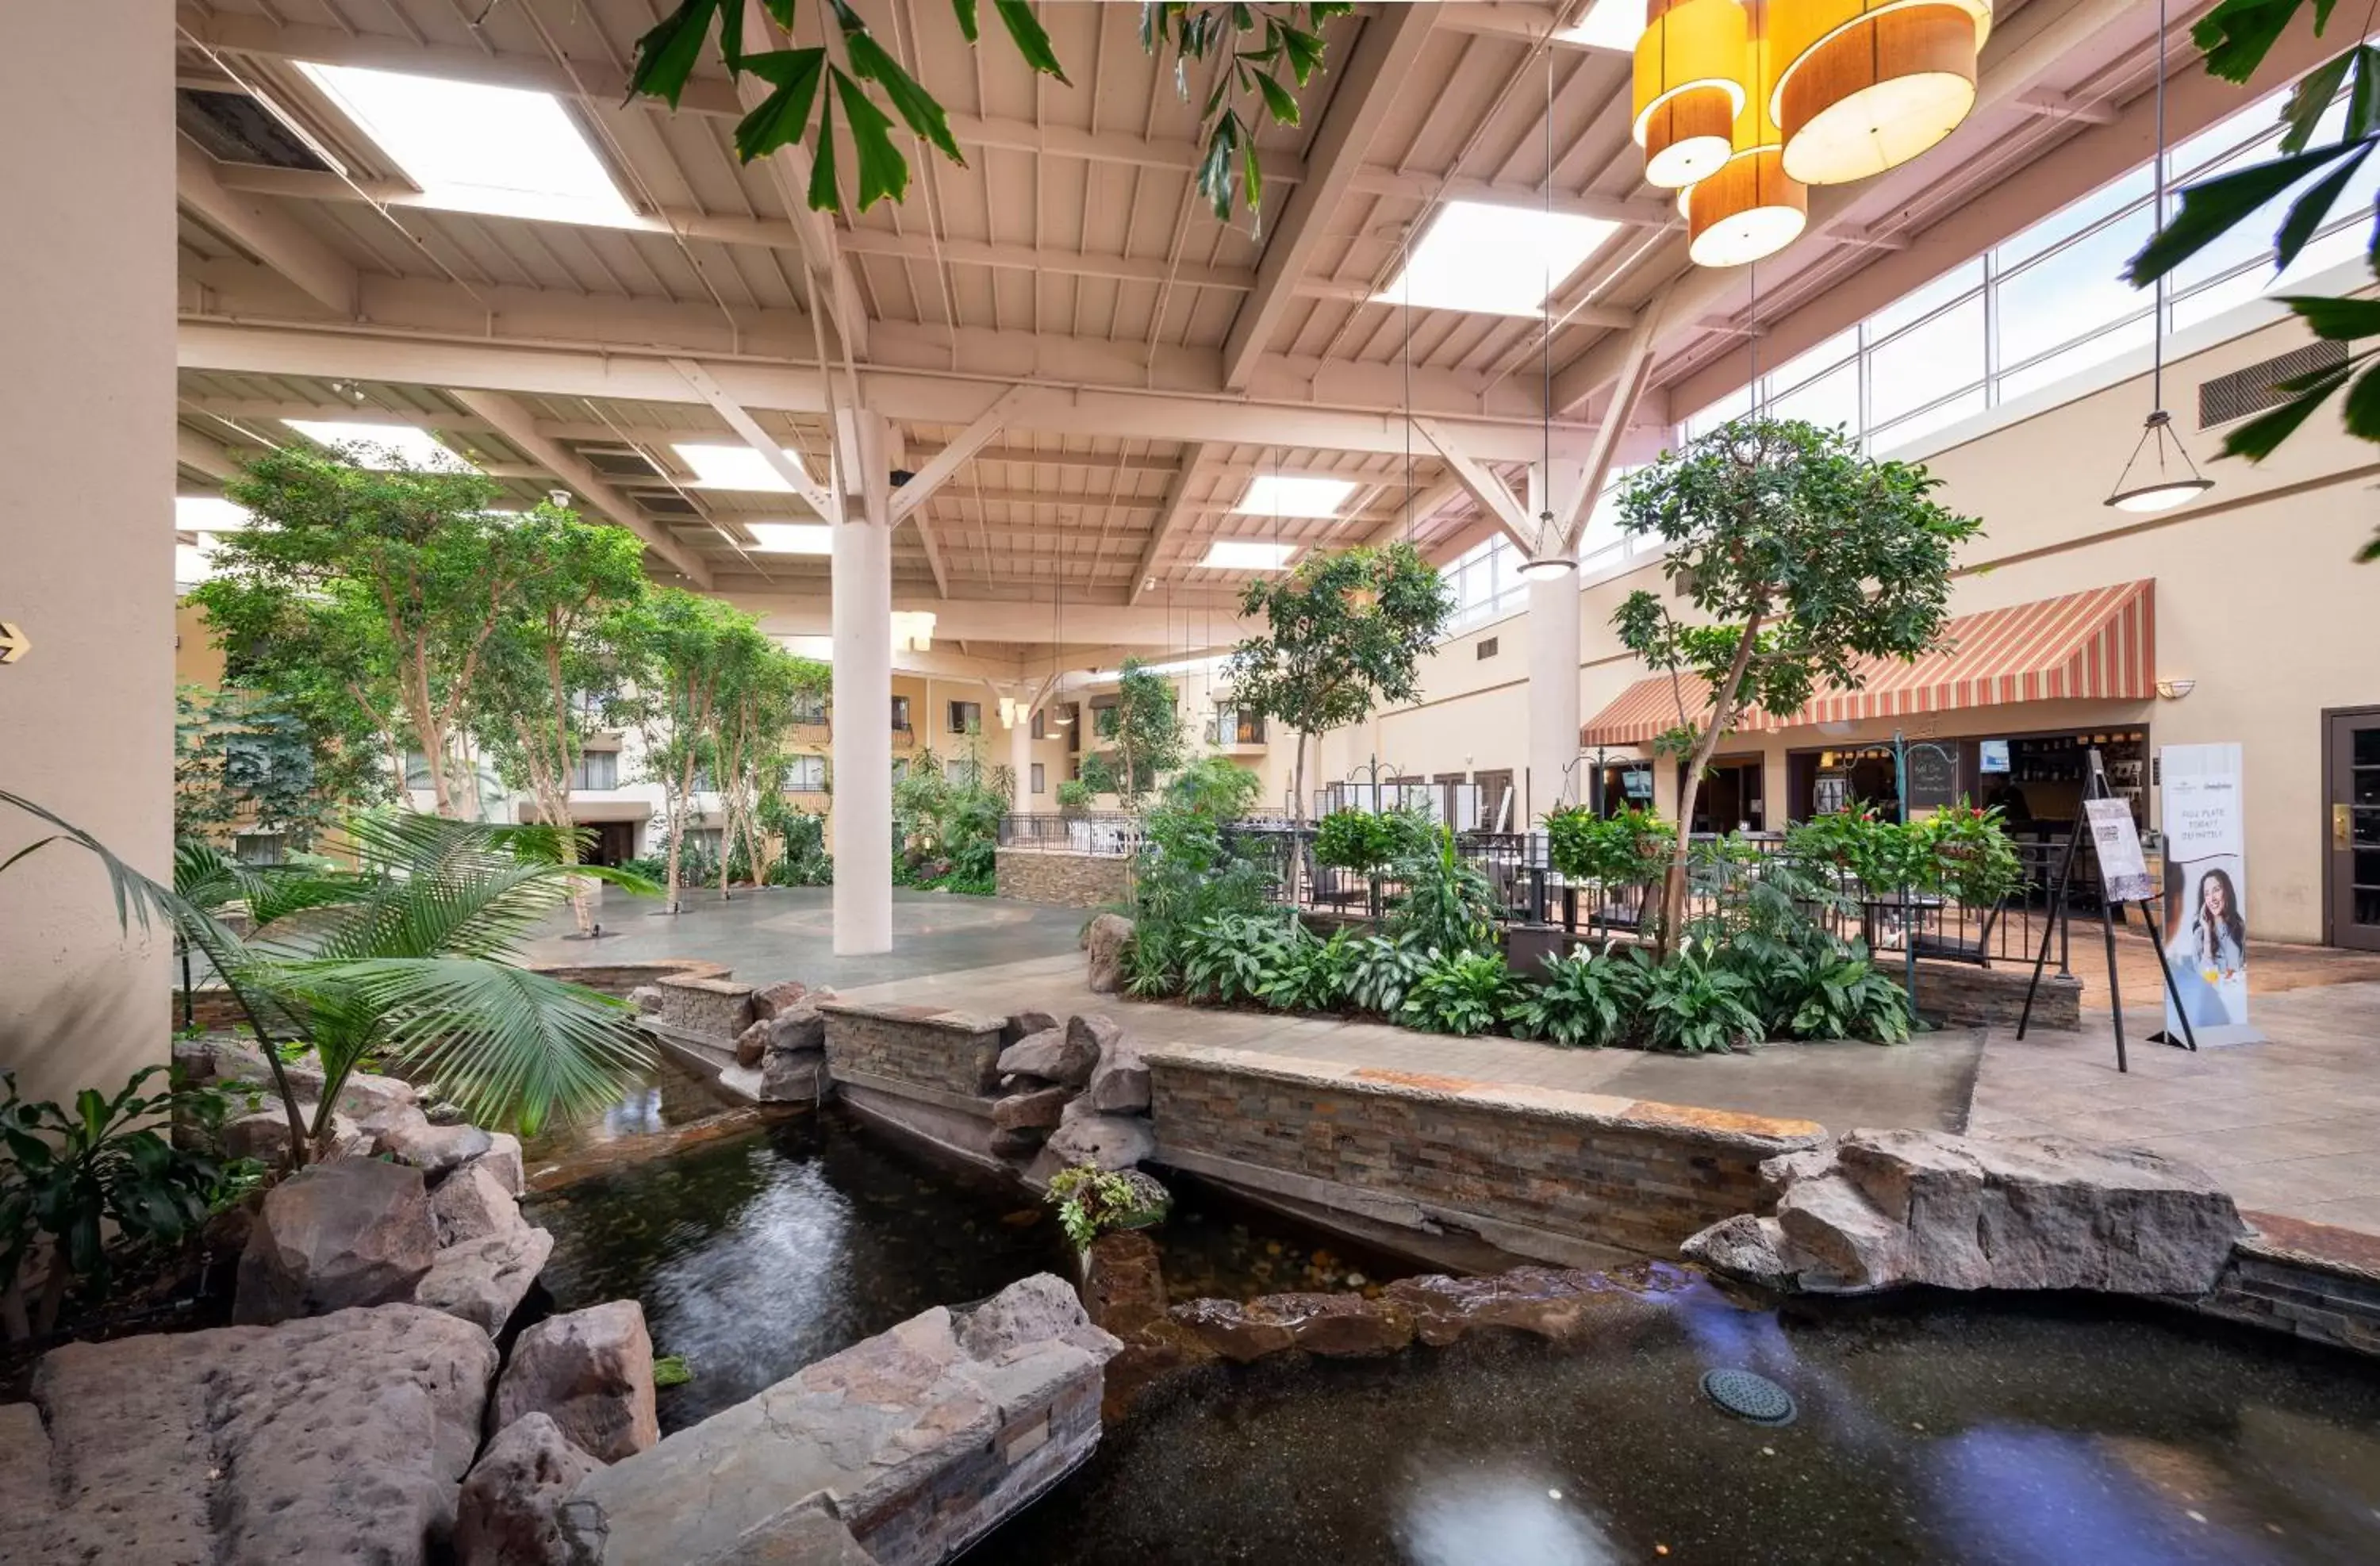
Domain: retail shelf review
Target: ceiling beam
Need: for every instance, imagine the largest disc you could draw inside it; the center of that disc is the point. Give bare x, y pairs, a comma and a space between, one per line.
195, 450
1376, 70
1636, 211
1425, 507
1492, 493
951, 458
1177, 507
270, 235
512, 421
1635, 374
813, 494
1529, 24
789, 169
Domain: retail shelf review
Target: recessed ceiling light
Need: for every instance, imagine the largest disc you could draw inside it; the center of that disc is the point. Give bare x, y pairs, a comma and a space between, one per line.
501, 150
791, 538
1247, 554
382, 446
736, 468
1278, 494
1494, 259
1612, 24
208, 514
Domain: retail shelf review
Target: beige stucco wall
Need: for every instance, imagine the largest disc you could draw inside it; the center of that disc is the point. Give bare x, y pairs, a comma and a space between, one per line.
86, 527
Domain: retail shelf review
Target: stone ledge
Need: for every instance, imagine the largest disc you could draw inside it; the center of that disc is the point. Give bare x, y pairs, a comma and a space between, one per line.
941, 1018
979, 1106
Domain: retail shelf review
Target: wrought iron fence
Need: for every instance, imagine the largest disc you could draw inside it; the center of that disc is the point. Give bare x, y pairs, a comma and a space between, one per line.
1104, 834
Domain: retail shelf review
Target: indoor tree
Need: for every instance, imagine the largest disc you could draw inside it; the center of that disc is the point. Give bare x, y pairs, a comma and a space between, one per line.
762, 687
1343, 633
1145, 729
1798, 557
378, 589
684, 653
245, 760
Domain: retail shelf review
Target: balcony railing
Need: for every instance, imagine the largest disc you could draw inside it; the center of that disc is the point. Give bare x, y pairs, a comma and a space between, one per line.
1105, 833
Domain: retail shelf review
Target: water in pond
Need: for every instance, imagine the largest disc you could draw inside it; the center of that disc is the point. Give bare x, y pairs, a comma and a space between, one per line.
2001, 1431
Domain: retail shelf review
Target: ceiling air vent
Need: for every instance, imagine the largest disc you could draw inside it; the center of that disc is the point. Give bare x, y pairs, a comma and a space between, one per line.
2256, 388
235, 128
667, 505
615, 464
1487, 647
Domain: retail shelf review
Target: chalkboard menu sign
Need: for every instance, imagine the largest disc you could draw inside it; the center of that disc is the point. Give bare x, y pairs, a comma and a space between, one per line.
1933, 777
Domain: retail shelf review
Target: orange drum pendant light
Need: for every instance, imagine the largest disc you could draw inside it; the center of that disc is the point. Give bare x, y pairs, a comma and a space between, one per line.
1749, 208
1689, 87
1866, 85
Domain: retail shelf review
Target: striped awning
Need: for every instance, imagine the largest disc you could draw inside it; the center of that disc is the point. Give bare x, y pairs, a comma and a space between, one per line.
2099, 644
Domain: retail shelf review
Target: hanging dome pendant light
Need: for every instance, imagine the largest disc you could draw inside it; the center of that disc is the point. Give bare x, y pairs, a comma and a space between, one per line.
1866, 85
1689, 64
1749, 209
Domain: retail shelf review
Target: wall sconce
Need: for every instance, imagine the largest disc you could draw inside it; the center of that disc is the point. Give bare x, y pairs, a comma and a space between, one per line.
2174, 690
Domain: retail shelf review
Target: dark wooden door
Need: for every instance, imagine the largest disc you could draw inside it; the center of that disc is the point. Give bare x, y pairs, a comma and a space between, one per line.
2352, 830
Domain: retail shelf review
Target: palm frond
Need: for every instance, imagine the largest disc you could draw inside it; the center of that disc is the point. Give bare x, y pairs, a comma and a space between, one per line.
136, 895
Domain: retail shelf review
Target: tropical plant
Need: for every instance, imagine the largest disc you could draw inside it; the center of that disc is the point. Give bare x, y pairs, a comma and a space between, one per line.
1460, 993
1624, 849
1577, 999
1232, 957
1800, 557
1861, 846
1343, 633
1447, 901
1191, 867
254, 762
683, 656
1263, 51
1693, 1003
1144, 725
1386, 968
99, 1176
1092, 1201
1833, 992
802, 858
1314, 975
1969, 854
1073, 796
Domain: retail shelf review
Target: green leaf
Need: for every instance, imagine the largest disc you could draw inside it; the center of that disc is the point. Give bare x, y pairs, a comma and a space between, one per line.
2213, 207
1304, 51
914, 104
2257, 439
1216, 177
2237, 34
1281, 102
2362, 407
966, 12
882, 170
2363, 100
1032, 43
666, 54
781, 118
2307, 213
2339, 320
825, 194
2303, 111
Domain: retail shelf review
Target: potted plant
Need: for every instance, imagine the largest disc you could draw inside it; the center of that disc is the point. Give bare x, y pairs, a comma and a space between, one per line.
1074, 798
1092, 1201
1969, 855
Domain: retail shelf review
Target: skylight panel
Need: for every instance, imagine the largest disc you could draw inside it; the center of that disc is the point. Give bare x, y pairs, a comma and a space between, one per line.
382, 446
1494, 259
1280, 495
791, 538
501, 150
736, 467
1247, 554
1612, 24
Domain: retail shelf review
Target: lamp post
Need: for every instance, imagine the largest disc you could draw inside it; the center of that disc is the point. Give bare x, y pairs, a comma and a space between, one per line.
1900, 751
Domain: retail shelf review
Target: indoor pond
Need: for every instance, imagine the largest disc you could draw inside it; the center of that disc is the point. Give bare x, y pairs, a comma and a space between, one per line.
2007, 1431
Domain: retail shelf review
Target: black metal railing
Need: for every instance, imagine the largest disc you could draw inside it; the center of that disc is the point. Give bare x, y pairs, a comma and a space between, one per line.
1105, 833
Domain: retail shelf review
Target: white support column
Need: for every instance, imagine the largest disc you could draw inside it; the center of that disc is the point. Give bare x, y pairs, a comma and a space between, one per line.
1020, 757
862, 616
1553, 656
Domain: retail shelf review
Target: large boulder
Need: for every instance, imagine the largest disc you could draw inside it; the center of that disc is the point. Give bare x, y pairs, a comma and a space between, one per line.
341, 1437
1054, 1055
435, 1150
1021, 1025
797, 1028
592, 1370
1084, 1135
1337, 1326
1883, 1208
1036, 1110
751, 1044
503, 1160
792, 1077
773, 1000
264, 1135
353, 1231
472, 1204
1119, 1084
1109, 937
484, 1281
506, 1515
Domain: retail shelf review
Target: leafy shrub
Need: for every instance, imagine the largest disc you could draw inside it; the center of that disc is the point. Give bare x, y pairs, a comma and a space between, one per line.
1693, 1005
1315, 975
1833, 993
1073, 795
1189, 870
1624, 849
1463, 993
1447, 901
1578, 1000
1092, 1201
1232, 957
1970, 856
1881, 855
1385, 967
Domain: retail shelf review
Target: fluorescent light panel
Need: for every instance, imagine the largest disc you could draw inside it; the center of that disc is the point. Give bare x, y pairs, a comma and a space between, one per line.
1280, 495
1247, 554
382, 446
791, 538
1494, 259
736, 468
501, 150
1612, 24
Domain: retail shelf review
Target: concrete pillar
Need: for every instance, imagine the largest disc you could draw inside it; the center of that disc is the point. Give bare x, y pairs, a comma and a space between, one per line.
862, 617
1553, 666
1020, 755
87, 290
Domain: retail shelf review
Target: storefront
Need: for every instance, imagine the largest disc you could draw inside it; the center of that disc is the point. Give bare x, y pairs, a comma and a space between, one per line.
2036, 779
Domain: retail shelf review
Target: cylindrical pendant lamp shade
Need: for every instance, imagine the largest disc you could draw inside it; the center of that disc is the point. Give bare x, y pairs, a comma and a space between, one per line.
1689, 89
1749, 208
1866, 85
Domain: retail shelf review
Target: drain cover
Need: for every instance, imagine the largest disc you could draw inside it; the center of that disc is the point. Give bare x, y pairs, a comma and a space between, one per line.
1748, 1396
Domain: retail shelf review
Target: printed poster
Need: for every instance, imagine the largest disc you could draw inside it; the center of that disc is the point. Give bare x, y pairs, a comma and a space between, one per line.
2205, 927
2123, 871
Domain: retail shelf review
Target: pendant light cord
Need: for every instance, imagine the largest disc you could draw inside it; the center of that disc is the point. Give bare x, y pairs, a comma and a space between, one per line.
2156, 337
1545, 344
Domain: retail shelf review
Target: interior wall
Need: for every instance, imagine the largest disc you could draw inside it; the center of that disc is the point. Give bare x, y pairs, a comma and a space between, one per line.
86, 537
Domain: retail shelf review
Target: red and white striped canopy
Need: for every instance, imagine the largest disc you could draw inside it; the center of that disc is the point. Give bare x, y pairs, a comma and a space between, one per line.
2098, 644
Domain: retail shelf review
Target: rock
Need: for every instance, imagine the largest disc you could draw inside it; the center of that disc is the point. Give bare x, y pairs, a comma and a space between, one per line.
750, 1044
503, 1160
919, 1440
1124, 1281
1338, 1326
1226, 1327
339, 1438
472, 1204
1559, 1305
1109, 937
1883, 1208
506, 1514
797, 1028
647, 998
353, 1231
1019, 1144
264, 1135
1027, 1111
778, 998
435, 1150
1025, 1023
792, 1077
592, 1370
1109, 1141
232, 1062
1119, 1084
484, 1281
1050, 1055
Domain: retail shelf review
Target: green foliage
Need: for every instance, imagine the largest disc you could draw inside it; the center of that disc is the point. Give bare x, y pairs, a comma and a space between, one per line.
946, 833
243, 761
1693, 1004
1386, 968
1092, 1201
1256, 43
1145, 729
1447, 903
1833, 992
1624, 849
102, 1175
1314, 975
802, 858
1073, 795
672, 1370
1367, 842
1579, 999
1460, 993
1232, 957
1189, 870
1969, 855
